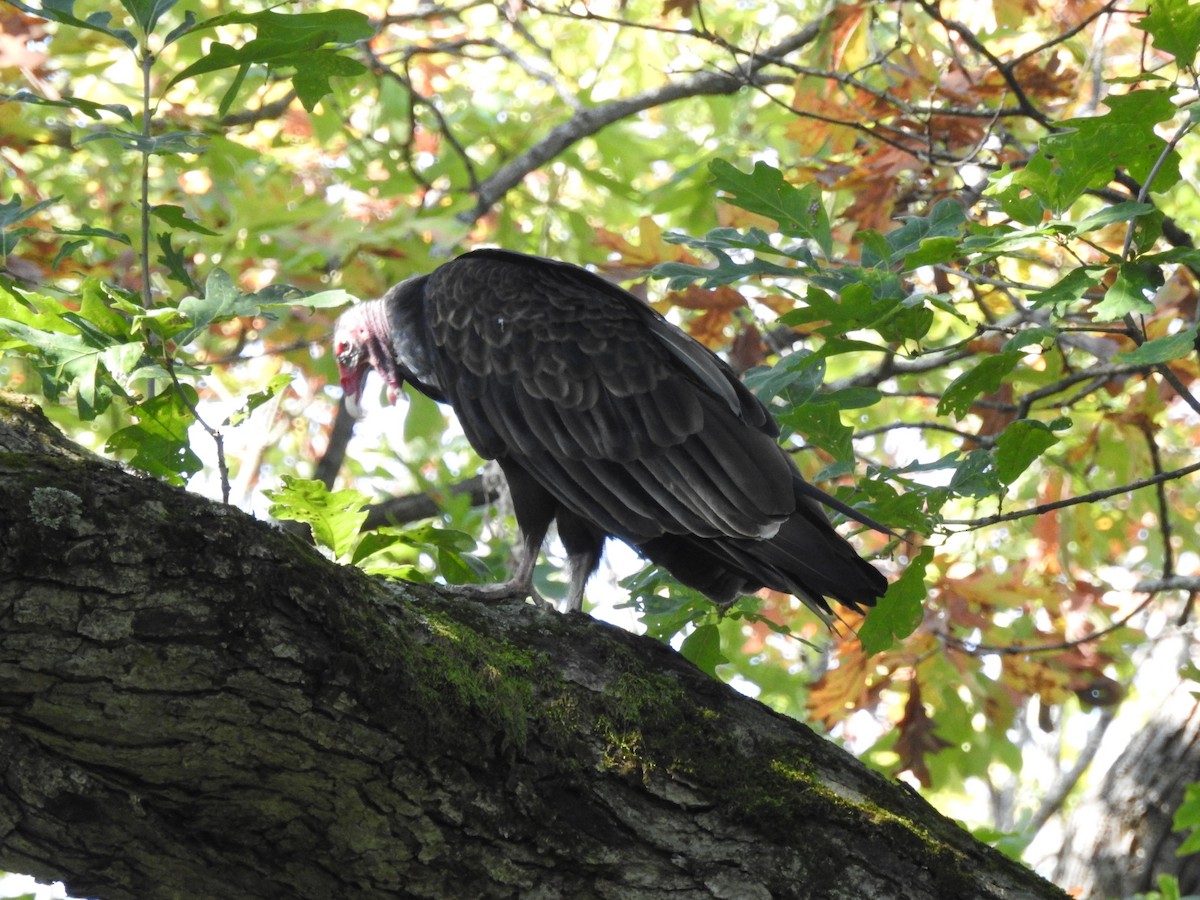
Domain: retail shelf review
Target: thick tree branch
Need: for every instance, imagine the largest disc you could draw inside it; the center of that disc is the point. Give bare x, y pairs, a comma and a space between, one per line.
1064, 783
194, 704
412, 507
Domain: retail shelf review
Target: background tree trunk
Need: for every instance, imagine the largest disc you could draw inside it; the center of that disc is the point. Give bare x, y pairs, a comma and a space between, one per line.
1119, 838
196, 704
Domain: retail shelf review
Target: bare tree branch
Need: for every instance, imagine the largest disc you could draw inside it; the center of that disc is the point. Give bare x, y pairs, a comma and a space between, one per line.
1052, 802
980, 649
426, 11
1190, 583
412, 507
969, 38
589, 121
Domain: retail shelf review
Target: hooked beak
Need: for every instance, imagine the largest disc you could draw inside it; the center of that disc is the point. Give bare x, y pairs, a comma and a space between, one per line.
353, 382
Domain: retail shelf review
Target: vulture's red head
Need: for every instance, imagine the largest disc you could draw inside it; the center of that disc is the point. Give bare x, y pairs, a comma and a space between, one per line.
362, 342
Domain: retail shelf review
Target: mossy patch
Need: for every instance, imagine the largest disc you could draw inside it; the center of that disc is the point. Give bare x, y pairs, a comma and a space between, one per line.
450, 670
651, 725
647, 724
479, 673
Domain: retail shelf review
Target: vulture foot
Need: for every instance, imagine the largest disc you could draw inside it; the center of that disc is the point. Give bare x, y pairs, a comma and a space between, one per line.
504, 590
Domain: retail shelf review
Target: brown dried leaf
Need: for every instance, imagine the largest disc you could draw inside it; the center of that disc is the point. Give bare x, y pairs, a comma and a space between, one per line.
875, 183
993, 420
817, 100
1047, 529
847, 25
721, 299
20, 43
684, 7
748, 349
917, 738
719, 305
1034, 676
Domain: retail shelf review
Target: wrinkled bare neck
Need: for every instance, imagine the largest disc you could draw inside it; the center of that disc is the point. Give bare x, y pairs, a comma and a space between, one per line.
412, 354
376, 341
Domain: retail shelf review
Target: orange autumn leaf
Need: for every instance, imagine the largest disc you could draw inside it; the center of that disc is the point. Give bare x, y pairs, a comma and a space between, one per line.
730, 216
777, 303
996, 412
1047, 529
1031, 676
818, 100
847, 27
718, 305
841, 689
649, 251
874, 183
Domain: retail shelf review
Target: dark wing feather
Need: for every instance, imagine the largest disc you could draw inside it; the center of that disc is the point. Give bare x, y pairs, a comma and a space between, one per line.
629, 423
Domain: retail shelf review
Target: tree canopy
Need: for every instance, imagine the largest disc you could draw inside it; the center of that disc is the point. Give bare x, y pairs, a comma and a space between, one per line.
951, 243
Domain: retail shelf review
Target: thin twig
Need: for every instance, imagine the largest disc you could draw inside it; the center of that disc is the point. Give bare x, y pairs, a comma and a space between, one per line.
1053, 799
146, 60
968, 37
1190, 583
1057, 387
266, 112
427, 11
1180, 388
1144, 192
975, 649
1066, 35
217, 437
971, 524
925, 426
1164, 510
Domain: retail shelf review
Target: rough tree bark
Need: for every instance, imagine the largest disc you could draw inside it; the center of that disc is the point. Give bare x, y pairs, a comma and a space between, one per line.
193, 703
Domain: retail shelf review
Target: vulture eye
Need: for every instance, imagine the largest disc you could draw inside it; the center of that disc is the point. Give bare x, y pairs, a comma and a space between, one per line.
344, 352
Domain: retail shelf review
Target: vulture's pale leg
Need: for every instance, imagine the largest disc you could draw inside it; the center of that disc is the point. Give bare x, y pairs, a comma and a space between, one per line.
584, 543
534, 509
581, 567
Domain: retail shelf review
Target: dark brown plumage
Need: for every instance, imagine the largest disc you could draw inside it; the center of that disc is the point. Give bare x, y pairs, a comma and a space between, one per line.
608, 420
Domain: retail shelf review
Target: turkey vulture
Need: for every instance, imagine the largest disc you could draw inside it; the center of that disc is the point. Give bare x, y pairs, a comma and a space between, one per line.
610, 421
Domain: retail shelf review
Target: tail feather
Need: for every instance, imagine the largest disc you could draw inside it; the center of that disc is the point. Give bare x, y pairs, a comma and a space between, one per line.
806, 558
804, 489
